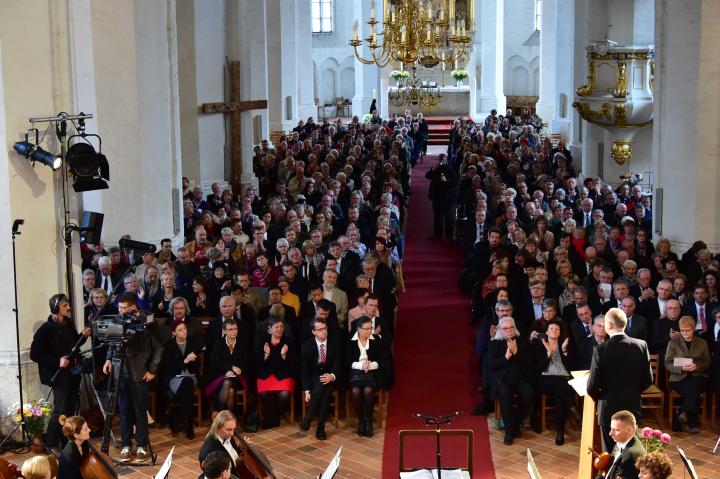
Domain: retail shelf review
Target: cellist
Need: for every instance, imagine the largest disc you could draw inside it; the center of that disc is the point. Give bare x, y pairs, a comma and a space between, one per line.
76, 430
220, 438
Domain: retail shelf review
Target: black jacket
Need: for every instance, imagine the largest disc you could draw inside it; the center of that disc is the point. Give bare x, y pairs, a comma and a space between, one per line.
50, 343
518, 367
624, 466
275, 364
222, 360
377, 352
143, 354
619, 373
173, 360
212, 444
309, 366
70, 460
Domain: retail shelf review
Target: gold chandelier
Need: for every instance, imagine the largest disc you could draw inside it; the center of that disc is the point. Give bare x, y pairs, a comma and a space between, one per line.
422, 31
415, 92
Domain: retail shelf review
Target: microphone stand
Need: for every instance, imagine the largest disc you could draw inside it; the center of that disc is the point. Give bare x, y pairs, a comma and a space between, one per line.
437, 421
25, 438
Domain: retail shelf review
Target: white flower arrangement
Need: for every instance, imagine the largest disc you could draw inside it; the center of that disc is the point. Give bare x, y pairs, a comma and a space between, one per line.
458, 75
399, 74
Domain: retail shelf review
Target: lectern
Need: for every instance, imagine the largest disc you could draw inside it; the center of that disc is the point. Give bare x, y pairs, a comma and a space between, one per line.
590, 435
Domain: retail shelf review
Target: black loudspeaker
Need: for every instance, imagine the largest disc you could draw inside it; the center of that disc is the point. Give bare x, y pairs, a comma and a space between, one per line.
91, 227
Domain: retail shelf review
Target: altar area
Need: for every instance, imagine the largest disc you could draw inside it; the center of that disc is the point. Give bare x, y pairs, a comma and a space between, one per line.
454, 100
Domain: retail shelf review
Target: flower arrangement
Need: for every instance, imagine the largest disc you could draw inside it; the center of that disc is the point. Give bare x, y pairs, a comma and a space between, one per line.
399, 74
631, 178
459, 75
37, 415
367, 117
654, 439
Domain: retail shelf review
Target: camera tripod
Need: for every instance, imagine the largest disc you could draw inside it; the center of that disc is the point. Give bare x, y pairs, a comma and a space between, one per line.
119, 365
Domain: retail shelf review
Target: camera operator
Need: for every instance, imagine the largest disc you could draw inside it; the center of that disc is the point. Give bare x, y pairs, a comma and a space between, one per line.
441, 191
142, 354
50, 347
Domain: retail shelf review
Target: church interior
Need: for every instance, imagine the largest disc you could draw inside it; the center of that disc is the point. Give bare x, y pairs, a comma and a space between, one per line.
267, 182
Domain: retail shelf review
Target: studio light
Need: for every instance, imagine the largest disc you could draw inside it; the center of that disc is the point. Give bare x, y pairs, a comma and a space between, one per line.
34, 153
90, 169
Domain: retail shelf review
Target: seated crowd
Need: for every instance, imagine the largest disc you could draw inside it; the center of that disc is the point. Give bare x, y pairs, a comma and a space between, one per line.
284, 290
548, 253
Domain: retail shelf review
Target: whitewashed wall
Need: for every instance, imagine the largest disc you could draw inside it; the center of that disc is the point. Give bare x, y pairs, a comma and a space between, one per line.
521, 62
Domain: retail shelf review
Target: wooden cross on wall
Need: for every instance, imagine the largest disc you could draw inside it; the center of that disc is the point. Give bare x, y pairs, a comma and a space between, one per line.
234, 108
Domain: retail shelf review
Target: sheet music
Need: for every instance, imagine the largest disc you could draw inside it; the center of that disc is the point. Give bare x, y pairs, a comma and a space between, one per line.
688, 463
426, 474
579, 384
165, 468
679, 362
532, 468
333, 466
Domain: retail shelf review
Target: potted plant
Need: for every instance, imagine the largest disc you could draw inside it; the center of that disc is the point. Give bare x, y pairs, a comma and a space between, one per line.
459, 76
399, 75
37, 415
654, 439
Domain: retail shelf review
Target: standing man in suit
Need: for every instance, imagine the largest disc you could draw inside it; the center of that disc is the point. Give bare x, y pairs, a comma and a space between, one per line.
628, 447
636, 325
475, 231
320, 366
619, 373
582, 337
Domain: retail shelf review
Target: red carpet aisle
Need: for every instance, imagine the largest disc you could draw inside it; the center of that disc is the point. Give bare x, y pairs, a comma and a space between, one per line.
434, 361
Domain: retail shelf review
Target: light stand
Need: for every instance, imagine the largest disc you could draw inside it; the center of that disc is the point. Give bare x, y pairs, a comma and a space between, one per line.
25, 440
437, 421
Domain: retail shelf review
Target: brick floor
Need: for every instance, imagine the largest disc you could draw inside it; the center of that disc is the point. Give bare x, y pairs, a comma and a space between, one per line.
294, 454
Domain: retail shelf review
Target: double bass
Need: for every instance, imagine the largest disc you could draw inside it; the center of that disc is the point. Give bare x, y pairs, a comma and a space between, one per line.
252, 464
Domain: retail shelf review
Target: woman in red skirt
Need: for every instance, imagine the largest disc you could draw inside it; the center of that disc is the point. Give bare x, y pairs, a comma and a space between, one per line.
275, 359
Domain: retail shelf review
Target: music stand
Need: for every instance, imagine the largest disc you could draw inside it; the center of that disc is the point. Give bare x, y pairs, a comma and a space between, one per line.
164, 471
332, 467
688, 463
532, 468
717, 444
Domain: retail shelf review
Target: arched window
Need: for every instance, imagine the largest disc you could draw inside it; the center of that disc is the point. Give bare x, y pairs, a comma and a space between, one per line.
538, 14
322, 16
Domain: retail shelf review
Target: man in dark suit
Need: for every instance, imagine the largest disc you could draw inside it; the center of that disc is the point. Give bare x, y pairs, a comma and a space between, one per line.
382, 283
619, 373
485, 252
298, 285
106, 279
627, 448
220, 438
582, 337
381, 327
654, 308
636, 325
700, 309
320, 368
475, 231
583, 218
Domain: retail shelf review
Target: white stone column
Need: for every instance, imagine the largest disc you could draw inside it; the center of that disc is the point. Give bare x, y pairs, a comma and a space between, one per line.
564, 63
366, 76
473, 84
201, 41
546, 105
303, 50
140, 127
491, 13
282, 64
686, 93
247, 41
579, 77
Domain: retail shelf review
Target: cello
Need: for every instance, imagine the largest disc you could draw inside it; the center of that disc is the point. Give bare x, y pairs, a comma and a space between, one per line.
253, 464
97, 465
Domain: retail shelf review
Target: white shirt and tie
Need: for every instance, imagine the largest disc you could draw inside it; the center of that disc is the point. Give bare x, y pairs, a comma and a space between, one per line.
588, 220
106, 283
617, 454
662, 303
227, 444
701, 310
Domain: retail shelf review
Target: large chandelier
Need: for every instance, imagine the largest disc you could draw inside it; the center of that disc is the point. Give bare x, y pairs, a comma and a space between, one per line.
415, 92
422, 31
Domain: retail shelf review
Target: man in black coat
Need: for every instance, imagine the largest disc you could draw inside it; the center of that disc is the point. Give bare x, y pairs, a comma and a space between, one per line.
619, 373
637, 326
627, 446
441, 191
320, 367
220, 438
582, 337
50, 347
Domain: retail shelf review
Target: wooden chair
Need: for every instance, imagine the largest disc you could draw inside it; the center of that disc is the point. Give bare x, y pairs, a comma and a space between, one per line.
547, 403
654, 397
336, 406
381, 402
498, 409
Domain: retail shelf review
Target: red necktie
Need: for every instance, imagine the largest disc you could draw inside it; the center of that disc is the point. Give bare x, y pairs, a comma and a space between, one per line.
323, 358
702, 318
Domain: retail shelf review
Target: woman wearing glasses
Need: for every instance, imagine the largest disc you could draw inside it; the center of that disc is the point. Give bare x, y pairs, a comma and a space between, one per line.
366, 361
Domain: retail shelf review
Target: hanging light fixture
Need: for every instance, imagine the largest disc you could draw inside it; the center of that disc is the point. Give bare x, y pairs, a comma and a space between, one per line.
422, 31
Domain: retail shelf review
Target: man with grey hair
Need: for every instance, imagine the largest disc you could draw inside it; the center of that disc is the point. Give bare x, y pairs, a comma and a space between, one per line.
105, 278
511, 360
88, 281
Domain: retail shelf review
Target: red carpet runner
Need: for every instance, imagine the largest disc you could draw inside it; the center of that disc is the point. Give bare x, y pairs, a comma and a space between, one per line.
435, 366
